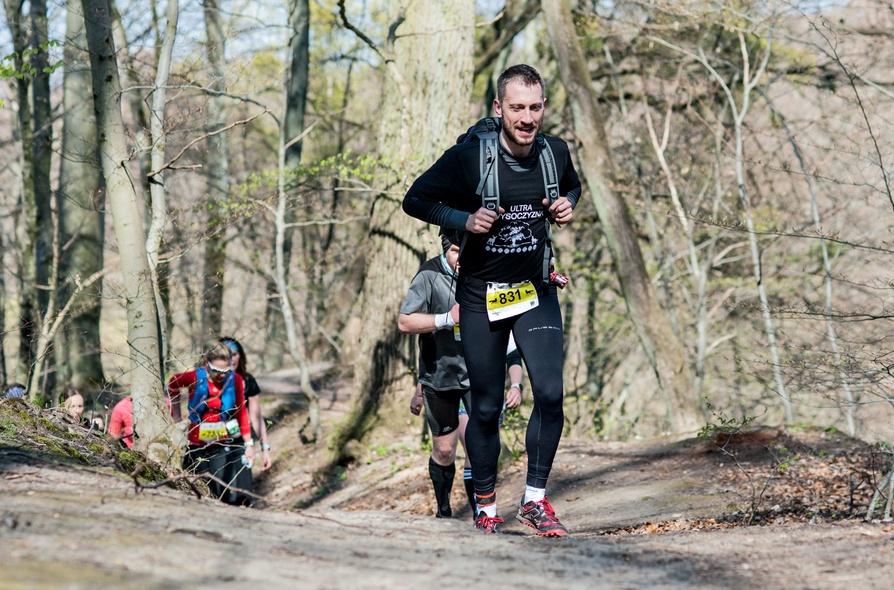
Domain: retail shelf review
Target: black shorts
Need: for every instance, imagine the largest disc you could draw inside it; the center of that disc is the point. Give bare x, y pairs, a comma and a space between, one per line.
442, 409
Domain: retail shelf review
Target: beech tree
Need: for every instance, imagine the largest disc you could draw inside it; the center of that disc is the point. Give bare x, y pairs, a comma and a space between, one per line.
146, 378
81, 206
217, 170
292, 128
427, 98
26, 221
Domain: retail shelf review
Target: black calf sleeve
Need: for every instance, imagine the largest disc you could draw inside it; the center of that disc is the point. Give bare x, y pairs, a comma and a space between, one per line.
442, 482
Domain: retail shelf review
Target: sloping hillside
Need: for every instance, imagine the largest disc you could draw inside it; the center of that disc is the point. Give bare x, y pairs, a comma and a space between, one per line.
656, 514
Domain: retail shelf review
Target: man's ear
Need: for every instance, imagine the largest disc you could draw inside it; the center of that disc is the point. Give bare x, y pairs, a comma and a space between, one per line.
498, 108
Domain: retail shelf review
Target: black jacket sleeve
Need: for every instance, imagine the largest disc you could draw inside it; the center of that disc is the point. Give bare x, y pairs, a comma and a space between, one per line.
444, 194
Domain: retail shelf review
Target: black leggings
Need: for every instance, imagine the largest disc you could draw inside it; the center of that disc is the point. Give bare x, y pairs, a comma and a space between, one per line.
538, 334
225, 463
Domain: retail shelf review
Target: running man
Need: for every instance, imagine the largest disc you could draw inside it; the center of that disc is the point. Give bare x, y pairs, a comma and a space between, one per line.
501, 261
429, 310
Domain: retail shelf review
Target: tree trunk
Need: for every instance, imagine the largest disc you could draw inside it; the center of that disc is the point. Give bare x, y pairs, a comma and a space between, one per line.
81, 213
289, 159
297, 349
296, 99
146, 380
157, 188
663, 348
427, 105
3, 374
41, 147
297, 80
27, 214
218, 171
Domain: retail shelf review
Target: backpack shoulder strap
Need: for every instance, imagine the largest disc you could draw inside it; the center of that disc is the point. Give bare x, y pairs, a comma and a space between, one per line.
198, 397
486, 132
550, 173
489, 185
228, 396
551, 186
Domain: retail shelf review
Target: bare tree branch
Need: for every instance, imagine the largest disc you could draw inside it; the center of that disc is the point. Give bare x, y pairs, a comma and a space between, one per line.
179, 155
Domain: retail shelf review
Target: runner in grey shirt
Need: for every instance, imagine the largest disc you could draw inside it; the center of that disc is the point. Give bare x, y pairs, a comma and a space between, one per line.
430, 310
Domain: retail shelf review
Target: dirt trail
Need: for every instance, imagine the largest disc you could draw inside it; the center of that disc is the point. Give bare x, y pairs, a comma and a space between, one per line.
80, 527
64, 524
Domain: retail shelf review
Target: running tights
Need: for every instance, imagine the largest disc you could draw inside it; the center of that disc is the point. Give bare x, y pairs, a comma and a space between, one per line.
538, 334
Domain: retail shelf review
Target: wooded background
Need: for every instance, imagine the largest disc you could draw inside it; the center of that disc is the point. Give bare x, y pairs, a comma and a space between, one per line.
171, 172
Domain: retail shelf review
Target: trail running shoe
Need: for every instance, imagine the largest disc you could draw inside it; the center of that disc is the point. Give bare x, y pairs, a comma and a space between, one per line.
541, 517
488, 524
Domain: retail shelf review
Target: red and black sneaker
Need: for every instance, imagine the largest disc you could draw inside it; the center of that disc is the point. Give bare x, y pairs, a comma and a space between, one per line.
541, 517
487, 524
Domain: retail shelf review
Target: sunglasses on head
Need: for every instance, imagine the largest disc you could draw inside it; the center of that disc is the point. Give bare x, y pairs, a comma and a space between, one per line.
214, 369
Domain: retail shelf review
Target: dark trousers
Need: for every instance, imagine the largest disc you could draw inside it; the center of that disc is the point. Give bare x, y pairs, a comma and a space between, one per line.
224, 462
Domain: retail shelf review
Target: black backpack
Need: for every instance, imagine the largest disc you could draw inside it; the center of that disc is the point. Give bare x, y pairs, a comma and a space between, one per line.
487, 132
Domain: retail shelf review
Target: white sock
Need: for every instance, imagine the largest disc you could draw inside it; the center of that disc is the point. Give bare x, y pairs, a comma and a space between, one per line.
490, 510
533, 494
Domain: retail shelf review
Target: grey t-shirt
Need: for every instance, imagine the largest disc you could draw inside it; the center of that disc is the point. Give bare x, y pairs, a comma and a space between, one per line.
441, 363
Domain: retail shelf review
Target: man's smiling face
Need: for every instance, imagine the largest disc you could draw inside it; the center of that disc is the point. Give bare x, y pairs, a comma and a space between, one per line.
521, 109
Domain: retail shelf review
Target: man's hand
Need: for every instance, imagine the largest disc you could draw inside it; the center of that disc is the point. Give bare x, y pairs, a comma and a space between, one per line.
416, 402
481, 221
454, 313
560, 211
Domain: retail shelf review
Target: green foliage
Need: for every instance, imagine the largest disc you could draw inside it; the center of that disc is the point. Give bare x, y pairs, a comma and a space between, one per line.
27, 70
395, 449
9, 69
721, 424
8, 428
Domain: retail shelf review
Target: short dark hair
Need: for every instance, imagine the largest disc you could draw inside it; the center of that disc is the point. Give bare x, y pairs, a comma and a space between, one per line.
522, 73
449, 238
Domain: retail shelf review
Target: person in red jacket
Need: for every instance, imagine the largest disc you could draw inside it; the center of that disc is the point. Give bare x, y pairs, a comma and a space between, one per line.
219, 435
121, 422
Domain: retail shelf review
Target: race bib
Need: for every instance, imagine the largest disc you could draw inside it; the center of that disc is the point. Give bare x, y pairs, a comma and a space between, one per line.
233, 427
212, 431
506, 300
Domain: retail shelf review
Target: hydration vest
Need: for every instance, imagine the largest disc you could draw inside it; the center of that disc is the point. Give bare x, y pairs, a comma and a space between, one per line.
487, 133
198, 399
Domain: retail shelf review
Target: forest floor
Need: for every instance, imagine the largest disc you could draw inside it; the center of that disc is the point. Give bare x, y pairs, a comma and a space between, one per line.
771, 508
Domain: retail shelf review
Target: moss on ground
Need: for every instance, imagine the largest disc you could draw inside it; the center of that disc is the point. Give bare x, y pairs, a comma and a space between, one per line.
53, 435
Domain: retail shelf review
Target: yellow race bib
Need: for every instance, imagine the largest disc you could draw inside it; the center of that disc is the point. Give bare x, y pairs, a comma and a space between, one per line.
212, 431
506, 300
